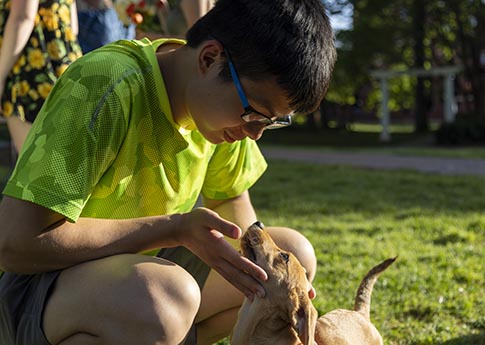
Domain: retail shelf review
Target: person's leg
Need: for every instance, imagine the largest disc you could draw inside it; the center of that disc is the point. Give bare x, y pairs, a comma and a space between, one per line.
292, 241
193, 10
18, 131
124, 299
218, 310
221, 301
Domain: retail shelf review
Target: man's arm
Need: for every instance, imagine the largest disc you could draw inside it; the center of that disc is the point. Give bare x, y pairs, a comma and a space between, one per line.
34, 239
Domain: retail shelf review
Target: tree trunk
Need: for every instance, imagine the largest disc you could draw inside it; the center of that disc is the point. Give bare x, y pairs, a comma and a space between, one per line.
421, 119
480, 57
472, 48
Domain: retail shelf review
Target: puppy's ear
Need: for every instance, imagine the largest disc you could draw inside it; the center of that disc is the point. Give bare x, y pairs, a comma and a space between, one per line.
305, 321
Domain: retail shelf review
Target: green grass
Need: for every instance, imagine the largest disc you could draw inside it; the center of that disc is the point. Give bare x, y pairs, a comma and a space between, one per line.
355, 218
457, 152
429, 151
402, 143
393, 127
336, 138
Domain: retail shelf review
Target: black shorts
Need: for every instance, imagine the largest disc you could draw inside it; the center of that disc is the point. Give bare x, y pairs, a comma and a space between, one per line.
192, 264
22, 301
23, 298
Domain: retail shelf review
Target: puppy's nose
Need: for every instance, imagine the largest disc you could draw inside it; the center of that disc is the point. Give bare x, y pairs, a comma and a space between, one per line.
259, 224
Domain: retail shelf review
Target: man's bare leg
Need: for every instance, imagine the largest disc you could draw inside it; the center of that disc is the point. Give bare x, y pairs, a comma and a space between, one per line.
123, 299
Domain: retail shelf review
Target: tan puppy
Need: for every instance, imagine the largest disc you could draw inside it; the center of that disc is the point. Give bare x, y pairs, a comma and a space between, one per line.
352, 327
285, 316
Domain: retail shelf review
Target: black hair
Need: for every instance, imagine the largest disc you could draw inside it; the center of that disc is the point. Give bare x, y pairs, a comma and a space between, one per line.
289, 39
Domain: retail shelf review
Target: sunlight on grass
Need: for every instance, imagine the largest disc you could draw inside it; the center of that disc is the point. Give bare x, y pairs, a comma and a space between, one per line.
377, 128
393, 128
438, 152
462, 152
356, 218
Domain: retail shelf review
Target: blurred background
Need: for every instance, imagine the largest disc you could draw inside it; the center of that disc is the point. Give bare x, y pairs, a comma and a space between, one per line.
406, 68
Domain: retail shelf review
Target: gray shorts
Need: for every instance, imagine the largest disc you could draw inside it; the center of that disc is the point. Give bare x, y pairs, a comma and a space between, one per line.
198, 269
23, 298
22, 301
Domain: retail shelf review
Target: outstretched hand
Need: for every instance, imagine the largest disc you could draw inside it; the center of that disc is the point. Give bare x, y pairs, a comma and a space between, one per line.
203, 232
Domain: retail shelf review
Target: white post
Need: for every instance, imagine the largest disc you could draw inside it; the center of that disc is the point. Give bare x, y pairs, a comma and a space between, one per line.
385, 120
450, 106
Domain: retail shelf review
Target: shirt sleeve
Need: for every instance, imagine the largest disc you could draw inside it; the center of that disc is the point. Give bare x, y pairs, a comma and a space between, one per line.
233, 169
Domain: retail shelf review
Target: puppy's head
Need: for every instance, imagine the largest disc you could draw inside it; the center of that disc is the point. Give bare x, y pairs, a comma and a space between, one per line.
286, 288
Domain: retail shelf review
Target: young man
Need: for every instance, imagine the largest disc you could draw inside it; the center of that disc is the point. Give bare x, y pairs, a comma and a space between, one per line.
128, 139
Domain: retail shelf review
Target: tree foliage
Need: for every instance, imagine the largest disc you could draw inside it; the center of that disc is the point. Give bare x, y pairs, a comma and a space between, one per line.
385, 35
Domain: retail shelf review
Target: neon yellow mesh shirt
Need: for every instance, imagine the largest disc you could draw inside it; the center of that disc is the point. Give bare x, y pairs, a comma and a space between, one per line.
105, 144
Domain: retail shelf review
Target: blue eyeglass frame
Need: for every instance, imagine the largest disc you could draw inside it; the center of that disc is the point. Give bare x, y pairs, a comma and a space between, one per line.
265, 120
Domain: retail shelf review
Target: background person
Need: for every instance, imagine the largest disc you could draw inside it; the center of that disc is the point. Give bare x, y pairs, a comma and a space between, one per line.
99, 24
177, 16
38, 42
195, 9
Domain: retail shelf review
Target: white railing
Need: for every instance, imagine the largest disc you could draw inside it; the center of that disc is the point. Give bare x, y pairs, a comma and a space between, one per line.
450, 107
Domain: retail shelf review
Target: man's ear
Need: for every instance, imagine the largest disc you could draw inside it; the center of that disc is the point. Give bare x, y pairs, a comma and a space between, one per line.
211, 55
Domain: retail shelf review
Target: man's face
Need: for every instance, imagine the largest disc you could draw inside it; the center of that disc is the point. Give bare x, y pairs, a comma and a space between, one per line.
216, 107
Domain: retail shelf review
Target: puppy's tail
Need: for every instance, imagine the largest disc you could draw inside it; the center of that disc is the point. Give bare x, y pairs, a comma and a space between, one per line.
364, 292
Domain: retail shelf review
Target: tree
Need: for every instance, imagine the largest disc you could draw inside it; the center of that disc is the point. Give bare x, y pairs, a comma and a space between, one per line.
470, 22
420, 116
410, 33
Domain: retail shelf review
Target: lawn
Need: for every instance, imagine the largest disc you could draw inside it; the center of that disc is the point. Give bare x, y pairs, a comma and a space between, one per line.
355, 218
403, 142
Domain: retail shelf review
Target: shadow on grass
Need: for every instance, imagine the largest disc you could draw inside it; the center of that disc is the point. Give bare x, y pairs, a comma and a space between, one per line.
473, 339
340, 138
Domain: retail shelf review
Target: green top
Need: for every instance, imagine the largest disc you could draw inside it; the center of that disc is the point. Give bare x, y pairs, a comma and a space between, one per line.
105, 144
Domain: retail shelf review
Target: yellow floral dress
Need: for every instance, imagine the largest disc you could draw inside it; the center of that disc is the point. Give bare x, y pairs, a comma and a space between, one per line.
51, 48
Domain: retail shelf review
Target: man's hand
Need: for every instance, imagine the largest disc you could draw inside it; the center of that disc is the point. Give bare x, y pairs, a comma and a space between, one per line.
202, 231
311, 292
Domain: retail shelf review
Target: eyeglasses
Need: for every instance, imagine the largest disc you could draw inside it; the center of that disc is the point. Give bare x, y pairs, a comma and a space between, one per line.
250, 114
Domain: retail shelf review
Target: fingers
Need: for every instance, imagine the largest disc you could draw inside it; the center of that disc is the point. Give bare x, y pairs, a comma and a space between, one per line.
312, 293
216, 222
241, 263
242, 281
205, 238
241, 272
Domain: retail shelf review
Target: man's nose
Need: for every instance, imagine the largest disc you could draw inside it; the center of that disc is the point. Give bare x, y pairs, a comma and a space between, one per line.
254, 131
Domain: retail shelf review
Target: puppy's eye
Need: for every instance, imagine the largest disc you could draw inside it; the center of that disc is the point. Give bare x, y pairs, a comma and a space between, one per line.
285, 256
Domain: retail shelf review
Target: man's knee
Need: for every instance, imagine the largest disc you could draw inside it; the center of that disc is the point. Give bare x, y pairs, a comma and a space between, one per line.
170, 303
124, 299
293, 241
